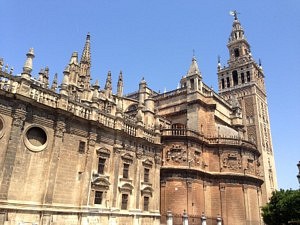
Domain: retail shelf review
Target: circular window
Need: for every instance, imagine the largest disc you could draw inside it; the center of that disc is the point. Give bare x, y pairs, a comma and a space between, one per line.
35, 138
1, 127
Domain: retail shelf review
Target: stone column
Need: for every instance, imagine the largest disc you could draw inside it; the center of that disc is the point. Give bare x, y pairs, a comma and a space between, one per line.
59, 130
46, 219
185, 218
19, 116
136, 220
2, 218
246, 202
219, 220
169, 218
116, 167
203, 219
86, 183
223, 202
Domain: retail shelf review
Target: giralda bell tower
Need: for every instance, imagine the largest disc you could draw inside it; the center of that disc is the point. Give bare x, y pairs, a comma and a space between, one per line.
243, 79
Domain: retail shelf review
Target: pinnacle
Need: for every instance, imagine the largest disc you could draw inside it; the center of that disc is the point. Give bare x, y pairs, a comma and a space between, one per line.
194, 69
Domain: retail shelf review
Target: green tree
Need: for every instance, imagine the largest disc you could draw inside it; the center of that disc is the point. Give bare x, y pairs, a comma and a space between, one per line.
284, 206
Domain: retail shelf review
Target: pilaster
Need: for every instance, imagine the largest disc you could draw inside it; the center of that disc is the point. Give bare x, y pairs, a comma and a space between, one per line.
19, 116
59, 130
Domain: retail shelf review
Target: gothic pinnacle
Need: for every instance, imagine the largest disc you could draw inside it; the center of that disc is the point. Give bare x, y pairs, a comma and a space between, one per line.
54, 83
86, 54
28, 64
194, 69
120, 85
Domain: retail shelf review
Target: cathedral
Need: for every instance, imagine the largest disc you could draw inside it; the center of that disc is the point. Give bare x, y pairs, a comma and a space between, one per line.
75, 154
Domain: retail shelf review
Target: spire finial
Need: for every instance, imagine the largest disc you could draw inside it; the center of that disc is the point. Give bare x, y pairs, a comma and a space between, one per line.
219, 63
234, 13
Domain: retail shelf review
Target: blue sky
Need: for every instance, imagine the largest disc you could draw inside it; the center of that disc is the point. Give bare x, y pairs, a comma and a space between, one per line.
155, 39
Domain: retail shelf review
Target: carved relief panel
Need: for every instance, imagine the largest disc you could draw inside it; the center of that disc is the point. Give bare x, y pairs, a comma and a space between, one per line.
176, 154
231, 161
249, 163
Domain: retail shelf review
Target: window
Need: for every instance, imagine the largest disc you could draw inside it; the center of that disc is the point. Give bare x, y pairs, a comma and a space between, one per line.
228, 82
235, 77
146, 174
192, 84
242, 78
223, 83
236, 52
124, 201
101, 165
125, 170
146, 203
81, 147
248, 76
98, 197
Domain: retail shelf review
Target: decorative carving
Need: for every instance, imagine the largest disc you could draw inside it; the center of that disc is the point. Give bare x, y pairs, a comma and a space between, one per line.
127, 187
139, 153
259, 172
251, 130
103, 152
19, 115
127, 158
176, 154
117, 149
147, 163
232, 161
222, 187
157, 159
147, 191
250, 166
195, 159
60, 127
92, 138
100, 182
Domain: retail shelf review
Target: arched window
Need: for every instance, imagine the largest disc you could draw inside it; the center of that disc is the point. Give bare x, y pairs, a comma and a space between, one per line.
235, 78
228, 81
236, 52
223, 83
248, 76
242, 78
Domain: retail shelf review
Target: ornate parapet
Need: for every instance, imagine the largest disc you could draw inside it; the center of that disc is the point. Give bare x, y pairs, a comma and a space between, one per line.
191, 134
35, 92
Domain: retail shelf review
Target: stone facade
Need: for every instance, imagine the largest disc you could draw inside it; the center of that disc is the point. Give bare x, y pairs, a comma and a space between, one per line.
75, 154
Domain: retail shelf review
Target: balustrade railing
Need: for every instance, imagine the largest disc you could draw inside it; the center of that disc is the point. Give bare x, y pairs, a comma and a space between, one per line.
210, 140
171, 93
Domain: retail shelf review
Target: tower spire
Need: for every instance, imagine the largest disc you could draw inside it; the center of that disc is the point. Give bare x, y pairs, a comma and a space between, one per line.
54, 83
194, 69
237, 32
85, 63
120, 85
237, 44
108, 86
86, 54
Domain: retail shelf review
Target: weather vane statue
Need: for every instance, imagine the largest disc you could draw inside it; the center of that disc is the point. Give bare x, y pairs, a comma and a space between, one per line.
234, 13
